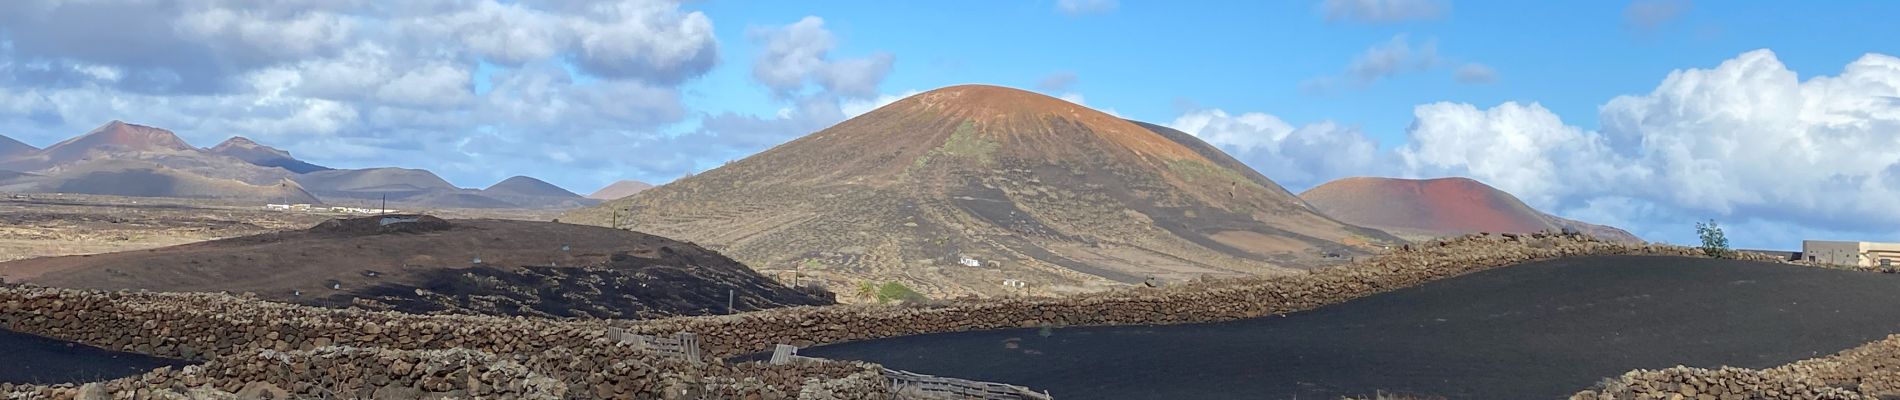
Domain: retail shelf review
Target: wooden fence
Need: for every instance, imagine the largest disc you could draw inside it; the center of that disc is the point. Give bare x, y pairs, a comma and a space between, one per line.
911, 385
683, 345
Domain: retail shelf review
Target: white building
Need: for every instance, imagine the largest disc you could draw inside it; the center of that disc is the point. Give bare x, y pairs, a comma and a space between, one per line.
1864, 254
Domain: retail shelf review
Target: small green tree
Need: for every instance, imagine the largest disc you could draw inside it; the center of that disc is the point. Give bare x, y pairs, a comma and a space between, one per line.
1714, 243
867, 290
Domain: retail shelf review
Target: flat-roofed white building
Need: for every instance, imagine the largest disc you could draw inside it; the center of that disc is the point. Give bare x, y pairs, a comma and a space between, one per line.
1865, 254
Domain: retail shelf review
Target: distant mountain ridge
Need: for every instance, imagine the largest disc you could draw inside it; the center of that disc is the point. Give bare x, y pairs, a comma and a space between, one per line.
11, 148
1426, 208
243, 148
120, 158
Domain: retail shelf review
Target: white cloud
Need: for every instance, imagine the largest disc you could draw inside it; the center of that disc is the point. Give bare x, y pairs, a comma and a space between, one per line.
797, 53
1296, 157
1082, 7
1747, 141
1383, 11
370, 83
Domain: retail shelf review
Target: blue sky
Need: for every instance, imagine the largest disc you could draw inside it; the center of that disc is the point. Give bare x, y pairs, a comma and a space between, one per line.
1644, 114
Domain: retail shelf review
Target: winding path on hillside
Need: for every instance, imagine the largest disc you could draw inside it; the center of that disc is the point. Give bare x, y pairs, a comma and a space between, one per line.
1538, 330
37, 360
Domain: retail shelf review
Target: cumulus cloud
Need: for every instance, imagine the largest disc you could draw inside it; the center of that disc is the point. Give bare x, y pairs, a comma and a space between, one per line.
1747, 140
1383, 11
1081, 7
795, 65
368, 83
799, 53
1296, 157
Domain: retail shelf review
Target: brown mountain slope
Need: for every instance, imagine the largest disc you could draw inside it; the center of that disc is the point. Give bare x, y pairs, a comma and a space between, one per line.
1033, 188
10, 148
620, 189
145, 179
525, 186
531, 268
1428, 208
113, 137
243, 148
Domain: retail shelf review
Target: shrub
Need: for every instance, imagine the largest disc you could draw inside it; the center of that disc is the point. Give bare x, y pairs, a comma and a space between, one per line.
1714, 243
896, 291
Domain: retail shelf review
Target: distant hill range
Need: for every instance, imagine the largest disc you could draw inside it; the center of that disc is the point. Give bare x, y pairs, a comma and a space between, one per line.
1422, 209
972, 189
620, 189
136, 160
423, 264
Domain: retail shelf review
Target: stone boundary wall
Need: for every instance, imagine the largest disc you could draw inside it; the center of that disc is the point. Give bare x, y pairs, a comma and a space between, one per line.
1209, 301
350, 372
248, 342
1870, 371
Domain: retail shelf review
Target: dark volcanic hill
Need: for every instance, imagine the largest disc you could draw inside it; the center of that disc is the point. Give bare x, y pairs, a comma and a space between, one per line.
145, 179
424, 264
1032, 188
373, 180
1420, 209
10, 148
525, 186
243, 148
620, 189
102, 142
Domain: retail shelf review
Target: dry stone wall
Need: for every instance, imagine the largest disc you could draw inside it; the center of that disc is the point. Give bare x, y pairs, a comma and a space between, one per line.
1870, 371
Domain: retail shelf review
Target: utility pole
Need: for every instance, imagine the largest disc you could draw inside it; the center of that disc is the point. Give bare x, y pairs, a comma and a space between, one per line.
385, 207
728, 301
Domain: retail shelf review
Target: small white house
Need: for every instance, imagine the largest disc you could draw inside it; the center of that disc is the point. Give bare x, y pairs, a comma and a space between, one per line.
970, 262
1864, 254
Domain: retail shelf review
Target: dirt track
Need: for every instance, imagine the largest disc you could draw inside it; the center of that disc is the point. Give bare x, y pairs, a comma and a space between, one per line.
34, 359
1540, 330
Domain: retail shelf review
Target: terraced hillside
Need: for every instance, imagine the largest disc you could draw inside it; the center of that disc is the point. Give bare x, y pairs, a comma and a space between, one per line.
1024, 186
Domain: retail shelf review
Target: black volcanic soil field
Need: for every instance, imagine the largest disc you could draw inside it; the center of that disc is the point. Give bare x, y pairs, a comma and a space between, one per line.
1538, 330
38, 360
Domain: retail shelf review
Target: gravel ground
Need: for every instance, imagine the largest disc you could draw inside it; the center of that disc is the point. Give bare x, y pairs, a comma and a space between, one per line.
1539, 330
32, 359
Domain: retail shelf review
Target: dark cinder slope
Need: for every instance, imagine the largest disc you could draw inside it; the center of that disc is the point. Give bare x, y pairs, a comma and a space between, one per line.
1542, 330
524, 268
145, 179
43, 361
1427, 208
1031, 187
10, 148
526, 186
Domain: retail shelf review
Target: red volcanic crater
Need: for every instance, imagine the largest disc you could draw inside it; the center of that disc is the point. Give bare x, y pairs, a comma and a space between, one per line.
1429, 207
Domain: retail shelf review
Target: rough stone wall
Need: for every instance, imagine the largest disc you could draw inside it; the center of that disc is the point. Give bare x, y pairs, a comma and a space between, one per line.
1210, 301
1866, 372
349, 372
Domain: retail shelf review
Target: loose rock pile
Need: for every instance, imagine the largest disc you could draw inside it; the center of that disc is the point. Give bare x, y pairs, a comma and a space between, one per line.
1867, 372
